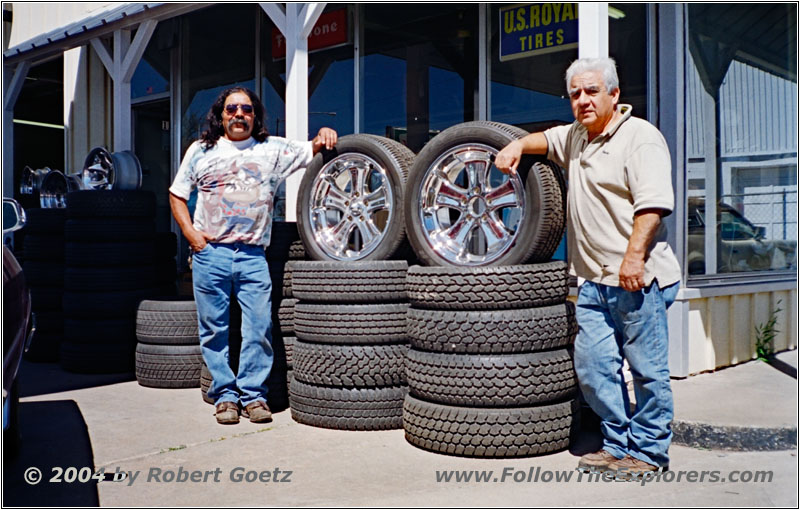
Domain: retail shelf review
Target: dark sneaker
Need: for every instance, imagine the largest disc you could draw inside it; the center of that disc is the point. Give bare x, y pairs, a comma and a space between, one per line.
257, 411
227, 413
632, 465
599, 461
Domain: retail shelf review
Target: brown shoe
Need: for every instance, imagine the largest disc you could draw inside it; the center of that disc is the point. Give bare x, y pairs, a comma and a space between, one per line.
227, 413
257, 411
632, 465
599, 461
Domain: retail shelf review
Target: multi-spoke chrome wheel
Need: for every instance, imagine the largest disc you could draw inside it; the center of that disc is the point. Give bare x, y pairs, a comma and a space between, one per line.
350, 205
470, 210
462, 211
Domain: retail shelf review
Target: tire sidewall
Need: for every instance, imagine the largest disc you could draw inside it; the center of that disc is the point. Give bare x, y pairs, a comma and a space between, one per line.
467, 133
370, 147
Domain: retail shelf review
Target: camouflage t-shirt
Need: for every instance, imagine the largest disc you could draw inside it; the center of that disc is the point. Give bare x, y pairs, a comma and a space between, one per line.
236, 183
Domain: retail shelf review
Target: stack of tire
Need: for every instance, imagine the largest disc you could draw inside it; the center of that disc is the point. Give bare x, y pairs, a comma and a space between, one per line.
490, 373
490, 370
43, 265
168, 353
110, 266
349, 313
351, 344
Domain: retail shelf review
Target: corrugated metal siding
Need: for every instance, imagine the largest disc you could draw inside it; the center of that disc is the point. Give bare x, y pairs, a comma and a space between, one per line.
758, 113
722, 329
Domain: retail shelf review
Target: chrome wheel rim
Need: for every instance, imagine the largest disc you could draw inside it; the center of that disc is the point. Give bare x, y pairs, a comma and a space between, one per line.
470, 212
351, 206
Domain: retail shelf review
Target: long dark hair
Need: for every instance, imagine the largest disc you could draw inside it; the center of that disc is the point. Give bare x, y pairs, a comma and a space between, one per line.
214, 118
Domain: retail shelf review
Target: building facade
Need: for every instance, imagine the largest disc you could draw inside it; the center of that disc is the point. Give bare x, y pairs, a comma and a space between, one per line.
719, 80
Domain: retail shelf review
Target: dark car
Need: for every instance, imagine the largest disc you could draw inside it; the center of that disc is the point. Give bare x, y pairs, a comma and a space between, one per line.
18, 323
742, 245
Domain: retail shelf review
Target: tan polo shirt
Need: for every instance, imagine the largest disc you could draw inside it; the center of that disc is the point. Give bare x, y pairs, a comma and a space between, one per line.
619, 173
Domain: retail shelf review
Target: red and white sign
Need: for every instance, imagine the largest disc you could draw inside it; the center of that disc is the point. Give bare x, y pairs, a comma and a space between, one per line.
330, 31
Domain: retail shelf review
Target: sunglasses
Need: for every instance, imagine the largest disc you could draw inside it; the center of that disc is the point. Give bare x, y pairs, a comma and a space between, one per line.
233, 108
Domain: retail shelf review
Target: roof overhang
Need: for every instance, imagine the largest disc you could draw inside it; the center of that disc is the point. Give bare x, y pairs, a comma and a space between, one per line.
126, 16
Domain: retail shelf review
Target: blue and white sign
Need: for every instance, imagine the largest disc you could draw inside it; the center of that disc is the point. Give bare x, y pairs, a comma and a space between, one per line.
535, 29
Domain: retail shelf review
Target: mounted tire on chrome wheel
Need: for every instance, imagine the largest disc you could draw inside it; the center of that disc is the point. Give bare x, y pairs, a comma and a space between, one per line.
462, 211
350, 205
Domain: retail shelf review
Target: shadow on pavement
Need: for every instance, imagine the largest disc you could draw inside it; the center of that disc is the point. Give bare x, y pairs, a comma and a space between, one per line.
53, 434
46, 378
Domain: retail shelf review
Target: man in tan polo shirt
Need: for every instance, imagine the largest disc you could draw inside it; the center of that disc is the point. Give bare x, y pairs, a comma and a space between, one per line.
620, 186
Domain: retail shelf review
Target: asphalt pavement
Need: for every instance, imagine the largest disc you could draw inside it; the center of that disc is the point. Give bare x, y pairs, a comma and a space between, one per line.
172, 453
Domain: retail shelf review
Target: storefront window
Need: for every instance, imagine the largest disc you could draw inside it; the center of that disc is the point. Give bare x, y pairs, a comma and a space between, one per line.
419, 69
152, 73
210, 64
741, 138
532, 45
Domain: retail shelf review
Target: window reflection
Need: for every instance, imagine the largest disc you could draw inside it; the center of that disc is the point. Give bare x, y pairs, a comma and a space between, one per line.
741, 137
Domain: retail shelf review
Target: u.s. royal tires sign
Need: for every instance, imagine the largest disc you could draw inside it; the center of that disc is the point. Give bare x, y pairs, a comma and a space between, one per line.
535, 29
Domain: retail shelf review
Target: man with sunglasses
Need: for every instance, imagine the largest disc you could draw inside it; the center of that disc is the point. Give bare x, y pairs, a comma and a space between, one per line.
236, 167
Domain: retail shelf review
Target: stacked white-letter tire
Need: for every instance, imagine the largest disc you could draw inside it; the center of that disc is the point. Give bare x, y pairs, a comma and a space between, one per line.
490, 369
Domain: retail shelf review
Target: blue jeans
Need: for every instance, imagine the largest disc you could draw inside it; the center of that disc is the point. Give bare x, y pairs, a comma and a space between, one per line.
615, 324
217, 270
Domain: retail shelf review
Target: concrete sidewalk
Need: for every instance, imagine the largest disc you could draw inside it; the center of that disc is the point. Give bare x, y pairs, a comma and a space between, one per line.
113, 423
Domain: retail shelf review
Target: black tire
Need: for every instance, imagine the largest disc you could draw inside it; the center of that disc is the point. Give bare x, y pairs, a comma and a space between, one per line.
297, 250
46, 298
288, 269
43, 274
168, 366
480, 380
108, 358
45, 221
111, 203
350, 282
109, 230
498, 331
347, 408
488, 288
288, 345
286, 313
541, 224
487, 432
107, 279
110, 304
167, 322
105, 331
46, 248
351, 324
394, 159
205, 384
83, 254
350, 366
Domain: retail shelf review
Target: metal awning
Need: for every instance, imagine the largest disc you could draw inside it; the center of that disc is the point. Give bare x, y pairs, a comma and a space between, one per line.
100, 23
